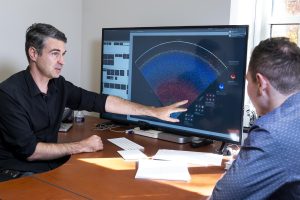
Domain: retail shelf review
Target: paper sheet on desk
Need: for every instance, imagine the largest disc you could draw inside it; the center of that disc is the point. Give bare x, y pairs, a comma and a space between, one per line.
163, 170
191, 157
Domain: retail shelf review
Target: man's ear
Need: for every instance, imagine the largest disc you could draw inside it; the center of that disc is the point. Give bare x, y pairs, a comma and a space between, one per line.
33, 54
262, 83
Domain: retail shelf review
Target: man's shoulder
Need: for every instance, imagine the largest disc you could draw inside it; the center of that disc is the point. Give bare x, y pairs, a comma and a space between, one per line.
14, 82
283, 116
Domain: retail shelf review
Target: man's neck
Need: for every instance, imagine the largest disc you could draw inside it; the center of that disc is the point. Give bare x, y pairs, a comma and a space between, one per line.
40, 80
277, 99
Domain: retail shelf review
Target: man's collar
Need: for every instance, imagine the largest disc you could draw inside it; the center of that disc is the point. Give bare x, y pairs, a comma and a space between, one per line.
33, 88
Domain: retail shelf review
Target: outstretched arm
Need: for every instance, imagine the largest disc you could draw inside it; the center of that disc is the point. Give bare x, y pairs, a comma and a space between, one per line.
121, 106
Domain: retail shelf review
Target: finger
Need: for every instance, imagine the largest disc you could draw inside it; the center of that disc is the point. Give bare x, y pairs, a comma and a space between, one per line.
170, 119
181, 110
180, 103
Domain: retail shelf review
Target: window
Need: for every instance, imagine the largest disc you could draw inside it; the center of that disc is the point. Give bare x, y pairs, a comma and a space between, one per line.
278, 18
266, 18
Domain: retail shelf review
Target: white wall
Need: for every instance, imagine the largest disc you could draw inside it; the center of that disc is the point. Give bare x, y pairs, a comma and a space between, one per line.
16, 16
115, 13
139, 13
244, 12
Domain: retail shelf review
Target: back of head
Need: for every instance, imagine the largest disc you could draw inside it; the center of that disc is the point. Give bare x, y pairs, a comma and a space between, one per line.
37, 33
278, 59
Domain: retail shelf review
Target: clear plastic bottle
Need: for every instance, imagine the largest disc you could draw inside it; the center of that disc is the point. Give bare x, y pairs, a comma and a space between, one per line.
79, 117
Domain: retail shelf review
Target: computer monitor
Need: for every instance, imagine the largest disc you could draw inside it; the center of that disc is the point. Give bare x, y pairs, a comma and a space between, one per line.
158, 66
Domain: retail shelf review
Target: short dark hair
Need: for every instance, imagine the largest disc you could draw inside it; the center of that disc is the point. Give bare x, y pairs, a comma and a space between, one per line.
36, 35
278, 59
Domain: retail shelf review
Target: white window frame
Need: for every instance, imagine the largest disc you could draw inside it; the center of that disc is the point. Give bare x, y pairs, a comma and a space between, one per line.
264, 20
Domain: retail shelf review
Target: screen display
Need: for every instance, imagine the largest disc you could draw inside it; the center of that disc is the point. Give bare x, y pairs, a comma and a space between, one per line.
158, 66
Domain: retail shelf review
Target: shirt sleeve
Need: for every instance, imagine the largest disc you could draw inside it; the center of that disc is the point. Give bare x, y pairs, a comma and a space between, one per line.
15, 128
81, 99
255, 174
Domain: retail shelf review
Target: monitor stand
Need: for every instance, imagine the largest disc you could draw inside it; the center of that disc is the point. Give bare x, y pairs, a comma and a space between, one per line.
162, 135
174, 138
222, 148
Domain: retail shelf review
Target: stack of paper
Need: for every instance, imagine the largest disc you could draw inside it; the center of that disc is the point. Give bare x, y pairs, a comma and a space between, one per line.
163, 170
170, 164
191, 157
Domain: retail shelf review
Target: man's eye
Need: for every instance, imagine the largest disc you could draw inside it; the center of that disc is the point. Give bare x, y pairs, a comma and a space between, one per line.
55, 53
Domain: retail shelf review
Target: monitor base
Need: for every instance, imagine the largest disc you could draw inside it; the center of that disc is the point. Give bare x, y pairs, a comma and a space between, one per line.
148, 133
200, 142
174, 138
180, 139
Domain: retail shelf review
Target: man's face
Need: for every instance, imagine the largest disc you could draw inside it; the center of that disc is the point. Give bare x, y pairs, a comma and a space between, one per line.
51, 60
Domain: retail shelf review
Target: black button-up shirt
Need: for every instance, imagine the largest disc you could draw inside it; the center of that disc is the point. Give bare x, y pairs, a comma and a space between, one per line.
27, 116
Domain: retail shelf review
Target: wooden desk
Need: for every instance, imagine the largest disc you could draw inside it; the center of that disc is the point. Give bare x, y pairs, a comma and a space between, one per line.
105, 175
32, 188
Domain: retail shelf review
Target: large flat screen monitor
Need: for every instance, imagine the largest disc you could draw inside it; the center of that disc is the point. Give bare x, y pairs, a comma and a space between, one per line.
158, 66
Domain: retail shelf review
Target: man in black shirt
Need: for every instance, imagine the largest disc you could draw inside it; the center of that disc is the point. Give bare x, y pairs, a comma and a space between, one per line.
32, 103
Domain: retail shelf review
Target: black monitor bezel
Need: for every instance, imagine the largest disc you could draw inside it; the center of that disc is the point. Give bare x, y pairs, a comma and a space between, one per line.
124, 120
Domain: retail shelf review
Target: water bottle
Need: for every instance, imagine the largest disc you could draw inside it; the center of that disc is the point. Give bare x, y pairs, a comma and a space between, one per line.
79, 117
